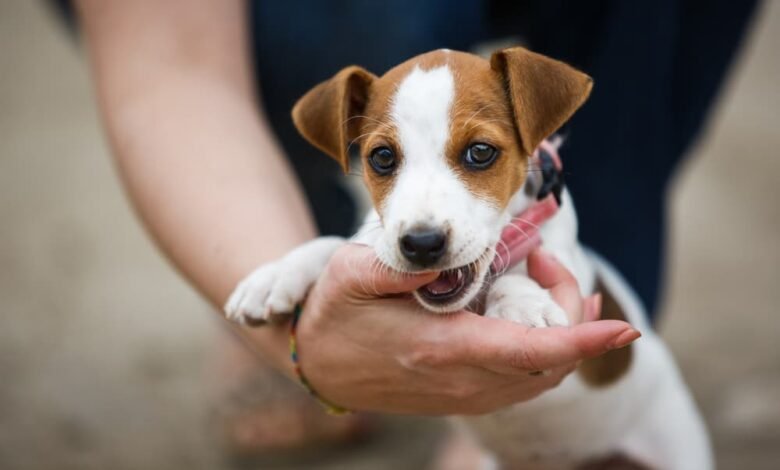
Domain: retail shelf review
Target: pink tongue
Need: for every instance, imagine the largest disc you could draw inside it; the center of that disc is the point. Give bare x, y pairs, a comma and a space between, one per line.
444, 283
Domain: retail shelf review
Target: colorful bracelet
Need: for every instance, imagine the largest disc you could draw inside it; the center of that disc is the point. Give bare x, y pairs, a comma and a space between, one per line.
330, 408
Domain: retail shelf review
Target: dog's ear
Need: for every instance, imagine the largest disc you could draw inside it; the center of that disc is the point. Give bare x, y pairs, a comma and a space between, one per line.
544, 92
325, 116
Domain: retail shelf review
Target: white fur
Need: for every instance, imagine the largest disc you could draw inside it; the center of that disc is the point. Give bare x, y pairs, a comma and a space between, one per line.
648, 414
275, 288
427, 192
518, 298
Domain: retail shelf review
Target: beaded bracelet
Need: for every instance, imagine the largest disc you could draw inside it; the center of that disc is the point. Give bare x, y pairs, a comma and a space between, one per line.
330, 408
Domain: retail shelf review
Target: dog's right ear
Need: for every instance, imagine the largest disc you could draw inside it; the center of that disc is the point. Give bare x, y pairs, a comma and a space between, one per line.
325, 116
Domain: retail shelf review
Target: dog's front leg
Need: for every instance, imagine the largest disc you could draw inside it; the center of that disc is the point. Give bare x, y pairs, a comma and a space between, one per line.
520, 299
274, 288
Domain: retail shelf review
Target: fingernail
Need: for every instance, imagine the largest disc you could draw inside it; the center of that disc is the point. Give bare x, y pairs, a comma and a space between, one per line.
625, 338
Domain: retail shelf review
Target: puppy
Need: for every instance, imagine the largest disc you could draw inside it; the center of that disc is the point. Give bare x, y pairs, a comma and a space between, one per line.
447, 140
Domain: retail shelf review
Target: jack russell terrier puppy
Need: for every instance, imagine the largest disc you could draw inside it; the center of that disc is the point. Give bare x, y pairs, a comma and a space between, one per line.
447, 140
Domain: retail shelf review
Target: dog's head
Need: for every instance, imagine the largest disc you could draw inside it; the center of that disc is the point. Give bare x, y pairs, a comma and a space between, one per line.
445, 140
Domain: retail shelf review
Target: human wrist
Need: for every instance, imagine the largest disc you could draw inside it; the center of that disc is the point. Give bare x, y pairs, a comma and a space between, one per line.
330, 407
270, 343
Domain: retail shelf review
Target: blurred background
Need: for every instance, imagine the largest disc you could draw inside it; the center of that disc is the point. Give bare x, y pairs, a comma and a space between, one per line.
105, 354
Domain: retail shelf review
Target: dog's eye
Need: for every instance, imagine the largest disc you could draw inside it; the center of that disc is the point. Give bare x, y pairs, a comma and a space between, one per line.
382, 160
480, 156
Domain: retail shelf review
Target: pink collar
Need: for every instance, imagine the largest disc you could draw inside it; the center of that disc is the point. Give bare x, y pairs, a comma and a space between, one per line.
521, 235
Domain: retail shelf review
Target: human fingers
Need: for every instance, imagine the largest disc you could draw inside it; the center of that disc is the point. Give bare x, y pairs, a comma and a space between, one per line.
592, 307
359, 269
514, 347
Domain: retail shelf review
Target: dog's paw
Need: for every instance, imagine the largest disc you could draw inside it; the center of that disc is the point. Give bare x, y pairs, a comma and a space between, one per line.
263, 293
535, 310
275, 288
521, 300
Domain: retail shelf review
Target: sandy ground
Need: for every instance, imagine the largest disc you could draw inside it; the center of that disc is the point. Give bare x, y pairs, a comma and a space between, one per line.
104, 351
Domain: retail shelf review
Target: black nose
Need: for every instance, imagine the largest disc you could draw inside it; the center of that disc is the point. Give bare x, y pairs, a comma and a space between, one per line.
423, 247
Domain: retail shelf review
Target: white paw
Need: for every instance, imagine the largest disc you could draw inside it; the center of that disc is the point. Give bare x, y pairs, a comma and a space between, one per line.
521, 300
263, 293
275, 288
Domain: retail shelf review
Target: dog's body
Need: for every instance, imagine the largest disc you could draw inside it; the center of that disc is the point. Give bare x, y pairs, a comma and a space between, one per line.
645, 413
446, 139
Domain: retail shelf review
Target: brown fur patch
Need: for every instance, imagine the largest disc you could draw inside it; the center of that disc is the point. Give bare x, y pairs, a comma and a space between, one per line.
325, 115
544, 92
609, 367
511, 103
377, 130
481, 113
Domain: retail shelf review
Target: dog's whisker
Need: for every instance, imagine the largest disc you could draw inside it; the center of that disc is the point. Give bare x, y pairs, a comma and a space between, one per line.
488, 121
523, 232
479, 110
372, 275
376, 273
356, 139
503, 263
527, 222
381, 124
368, 118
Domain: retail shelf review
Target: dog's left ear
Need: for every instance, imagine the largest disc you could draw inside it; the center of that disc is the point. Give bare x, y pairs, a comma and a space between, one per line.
544, 92
325, 116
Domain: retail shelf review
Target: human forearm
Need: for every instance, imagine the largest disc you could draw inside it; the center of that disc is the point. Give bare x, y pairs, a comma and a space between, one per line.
205, 175
209, 183
197, 160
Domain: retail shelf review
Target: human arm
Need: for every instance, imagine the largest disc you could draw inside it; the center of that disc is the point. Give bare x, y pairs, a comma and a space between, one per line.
196, 156
198, 160
204, 173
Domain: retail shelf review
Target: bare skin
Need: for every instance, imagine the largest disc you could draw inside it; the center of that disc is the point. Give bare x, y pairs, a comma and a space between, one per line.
203, 170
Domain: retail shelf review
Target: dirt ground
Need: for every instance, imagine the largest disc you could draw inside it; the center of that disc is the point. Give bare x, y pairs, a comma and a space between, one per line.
105, 352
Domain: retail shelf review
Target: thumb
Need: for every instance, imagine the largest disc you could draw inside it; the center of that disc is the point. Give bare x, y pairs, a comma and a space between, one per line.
360, 270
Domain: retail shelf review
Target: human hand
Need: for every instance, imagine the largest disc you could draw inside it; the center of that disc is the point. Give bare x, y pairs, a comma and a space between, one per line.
365, 344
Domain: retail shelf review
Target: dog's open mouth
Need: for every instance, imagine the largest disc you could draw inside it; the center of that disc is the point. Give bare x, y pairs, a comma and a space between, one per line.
449, 286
